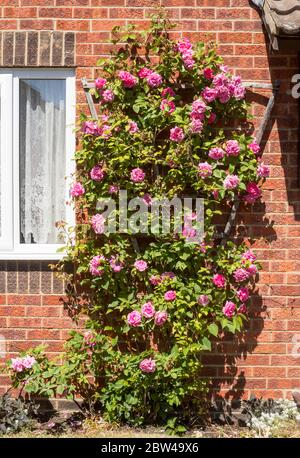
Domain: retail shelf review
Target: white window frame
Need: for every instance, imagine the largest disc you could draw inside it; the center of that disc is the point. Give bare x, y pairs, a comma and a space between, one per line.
11, 248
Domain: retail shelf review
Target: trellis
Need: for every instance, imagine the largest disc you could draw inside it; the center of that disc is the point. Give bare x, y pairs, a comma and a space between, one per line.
88, 85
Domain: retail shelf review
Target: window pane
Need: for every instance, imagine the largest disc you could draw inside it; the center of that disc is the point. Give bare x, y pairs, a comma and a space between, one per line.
42, 159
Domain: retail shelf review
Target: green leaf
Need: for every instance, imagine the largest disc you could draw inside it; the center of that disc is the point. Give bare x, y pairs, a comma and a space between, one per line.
213, 329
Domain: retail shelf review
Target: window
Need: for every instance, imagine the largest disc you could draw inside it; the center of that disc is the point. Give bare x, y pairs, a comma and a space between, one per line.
37, 115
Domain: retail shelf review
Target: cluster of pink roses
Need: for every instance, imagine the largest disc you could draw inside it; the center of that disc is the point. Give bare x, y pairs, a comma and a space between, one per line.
97, 264
89, 338
230, 309
141, 265
22, 363
148, 311
92, 128
137, 175
224, 88
204, 170
97, 173
185, 48
77, 189
98, 223
148, 365
197, 115
167, 105
106, 94
176, 134
252, 193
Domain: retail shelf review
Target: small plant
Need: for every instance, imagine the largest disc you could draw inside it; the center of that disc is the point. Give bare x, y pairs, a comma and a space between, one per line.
267, 417
16, 414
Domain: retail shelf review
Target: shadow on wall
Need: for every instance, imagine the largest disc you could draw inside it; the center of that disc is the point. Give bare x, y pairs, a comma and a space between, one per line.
275, 221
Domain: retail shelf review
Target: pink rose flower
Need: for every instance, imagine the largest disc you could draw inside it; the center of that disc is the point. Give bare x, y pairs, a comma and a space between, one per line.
263, 170
198, 109
170, 295
243, 294
133, 127
100, 83
97, 173
242, 309
155, 280
231, 182
208, 73
147, 199
252, 269
219, 280
232, 148
89, 338
77, 189
98, 223
91, 128
216, 153
176, 134
196, 126
108, 95
17, 364
147, 365
167, 106
144, 72
249, 256
137, 175
113, 189
28, 361
141, 265
204, 170
184, 45
215, 194
134, 318
148, 310
160, 318
254, 147
241, 275
168, 91
128, 80
154, 79
253, 193
116, 265
203, 299
229, 309
96, 265
223, 94
209, 94
212, 118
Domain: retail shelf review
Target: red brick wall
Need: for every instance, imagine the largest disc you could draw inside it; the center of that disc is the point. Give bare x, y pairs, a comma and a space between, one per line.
30, 311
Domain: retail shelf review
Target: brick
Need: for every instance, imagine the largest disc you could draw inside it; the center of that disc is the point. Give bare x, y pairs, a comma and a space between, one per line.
69, 49
27, 299
198, 13
44, 60
76, 24
32, 47
37, 24
55, 12
36, 2
72, 2
20, 41
20, 12
57, 49
8, 43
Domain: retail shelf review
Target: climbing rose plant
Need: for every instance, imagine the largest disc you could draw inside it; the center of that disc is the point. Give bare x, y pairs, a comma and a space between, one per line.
171, 120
